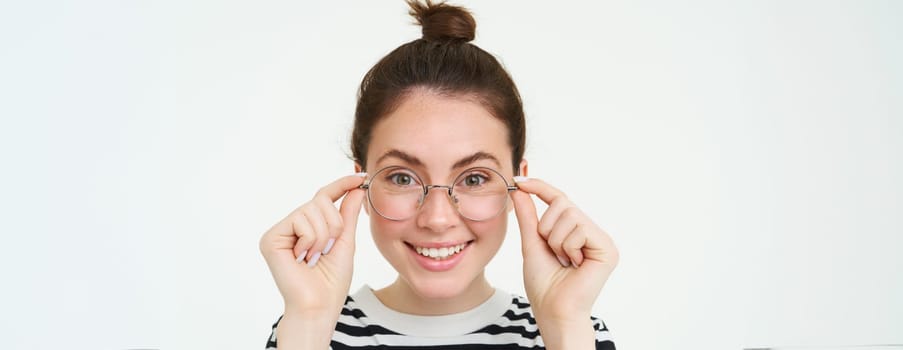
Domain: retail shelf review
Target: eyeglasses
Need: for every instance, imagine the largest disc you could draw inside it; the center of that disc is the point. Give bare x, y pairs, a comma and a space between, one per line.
397, 193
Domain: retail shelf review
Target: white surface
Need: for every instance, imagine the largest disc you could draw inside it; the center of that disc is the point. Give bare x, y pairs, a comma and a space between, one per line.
745, 156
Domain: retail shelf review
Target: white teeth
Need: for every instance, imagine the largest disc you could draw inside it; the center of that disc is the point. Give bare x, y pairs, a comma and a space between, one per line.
440, 253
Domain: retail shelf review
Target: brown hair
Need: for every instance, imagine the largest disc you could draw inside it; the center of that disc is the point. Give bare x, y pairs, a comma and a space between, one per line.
442, 61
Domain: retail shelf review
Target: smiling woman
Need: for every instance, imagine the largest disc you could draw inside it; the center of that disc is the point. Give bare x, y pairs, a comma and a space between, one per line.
438, 146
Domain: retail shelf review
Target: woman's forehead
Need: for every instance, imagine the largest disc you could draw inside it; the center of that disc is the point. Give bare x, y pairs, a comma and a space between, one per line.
439, 132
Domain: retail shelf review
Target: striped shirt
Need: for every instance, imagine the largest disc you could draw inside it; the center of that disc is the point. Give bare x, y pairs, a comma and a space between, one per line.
505, 321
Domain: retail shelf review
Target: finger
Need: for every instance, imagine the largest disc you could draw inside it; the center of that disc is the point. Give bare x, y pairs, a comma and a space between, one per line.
600, 247
334, 220
525, 211
321, 232
560, 231
281, 236
350, 211
338, 188
283, 229
573, 246
553, 212
547, 193
273, 244
306, 237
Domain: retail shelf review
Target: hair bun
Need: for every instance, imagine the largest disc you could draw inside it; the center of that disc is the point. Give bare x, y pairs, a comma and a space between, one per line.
443, 22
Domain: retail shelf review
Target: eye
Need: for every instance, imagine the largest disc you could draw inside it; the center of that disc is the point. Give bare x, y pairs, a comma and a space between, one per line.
401, 179
474, 180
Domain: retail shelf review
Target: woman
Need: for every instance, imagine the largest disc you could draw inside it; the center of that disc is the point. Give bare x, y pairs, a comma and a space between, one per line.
439, 131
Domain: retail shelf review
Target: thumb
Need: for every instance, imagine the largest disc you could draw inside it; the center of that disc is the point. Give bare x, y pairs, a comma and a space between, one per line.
527, 220
350, 211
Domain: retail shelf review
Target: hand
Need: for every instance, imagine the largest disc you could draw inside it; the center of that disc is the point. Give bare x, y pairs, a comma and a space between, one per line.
567, 257
311, 252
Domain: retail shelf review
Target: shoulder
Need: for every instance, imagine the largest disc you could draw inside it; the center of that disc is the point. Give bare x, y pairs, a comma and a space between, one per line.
520, 316
353, 324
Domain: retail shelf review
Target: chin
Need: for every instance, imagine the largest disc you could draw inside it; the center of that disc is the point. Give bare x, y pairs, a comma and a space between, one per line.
439, 288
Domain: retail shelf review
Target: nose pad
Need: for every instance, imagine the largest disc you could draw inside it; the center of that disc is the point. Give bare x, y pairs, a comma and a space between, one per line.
454, 198
448, 192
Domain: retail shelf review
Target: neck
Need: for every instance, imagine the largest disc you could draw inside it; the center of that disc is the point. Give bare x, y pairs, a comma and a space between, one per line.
399, 296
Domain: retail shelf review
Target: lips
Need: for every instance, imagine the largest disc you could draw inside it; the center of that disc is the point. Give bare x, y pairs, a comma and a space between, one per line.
439, 257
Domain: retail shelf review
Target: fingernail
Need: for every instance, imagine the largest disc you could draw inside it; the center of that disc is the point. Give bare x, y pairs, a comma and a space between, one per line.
313, 259
329, 244
301, 257
361, 174
563, 261
520, 178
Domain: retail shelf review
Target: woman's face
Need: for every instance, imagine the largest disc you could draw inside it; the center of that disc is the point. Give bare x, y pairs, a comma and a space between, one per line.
438, 138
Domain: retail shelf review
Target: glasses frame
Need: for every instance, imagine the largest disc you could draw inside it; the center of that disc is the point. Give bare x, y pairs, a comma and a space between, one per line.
426, 190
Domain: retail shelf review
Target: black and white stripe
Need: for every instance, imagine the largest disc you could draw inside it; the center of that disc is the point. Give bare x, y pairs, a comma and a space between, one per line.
510, 327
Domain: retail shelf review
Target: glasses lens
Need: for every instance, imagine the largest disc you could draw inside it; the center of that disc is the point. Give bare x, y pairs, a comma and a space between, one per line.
480, 193
395, 193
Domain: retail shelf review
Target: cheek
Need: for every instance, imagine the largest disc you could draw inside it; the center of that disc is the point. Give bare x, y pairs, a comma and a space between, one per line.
384, 230
491, 229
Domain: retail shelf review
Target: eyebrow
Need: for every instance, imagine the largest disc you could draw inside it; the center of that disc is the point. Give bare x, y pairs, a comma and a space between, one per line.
400, 155
412, 160
474, 158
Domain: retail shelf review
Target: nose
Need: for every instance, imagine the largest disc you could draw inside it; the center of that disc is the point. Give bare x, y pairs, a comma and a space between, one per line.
438, 212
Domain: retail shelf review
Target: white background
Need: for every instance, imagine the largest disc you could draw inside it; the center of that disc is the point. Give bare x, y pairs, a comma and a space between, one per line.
745, 156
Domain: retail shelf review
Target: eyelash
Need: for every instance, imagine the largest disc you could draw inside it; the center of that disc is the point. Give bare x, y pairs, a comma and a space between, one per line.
394, 176
414, 179
482, 177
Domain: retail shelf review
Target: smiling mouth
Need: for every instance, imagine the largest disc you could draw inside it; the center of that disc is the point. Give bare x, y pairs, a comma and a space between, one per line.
440, 253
